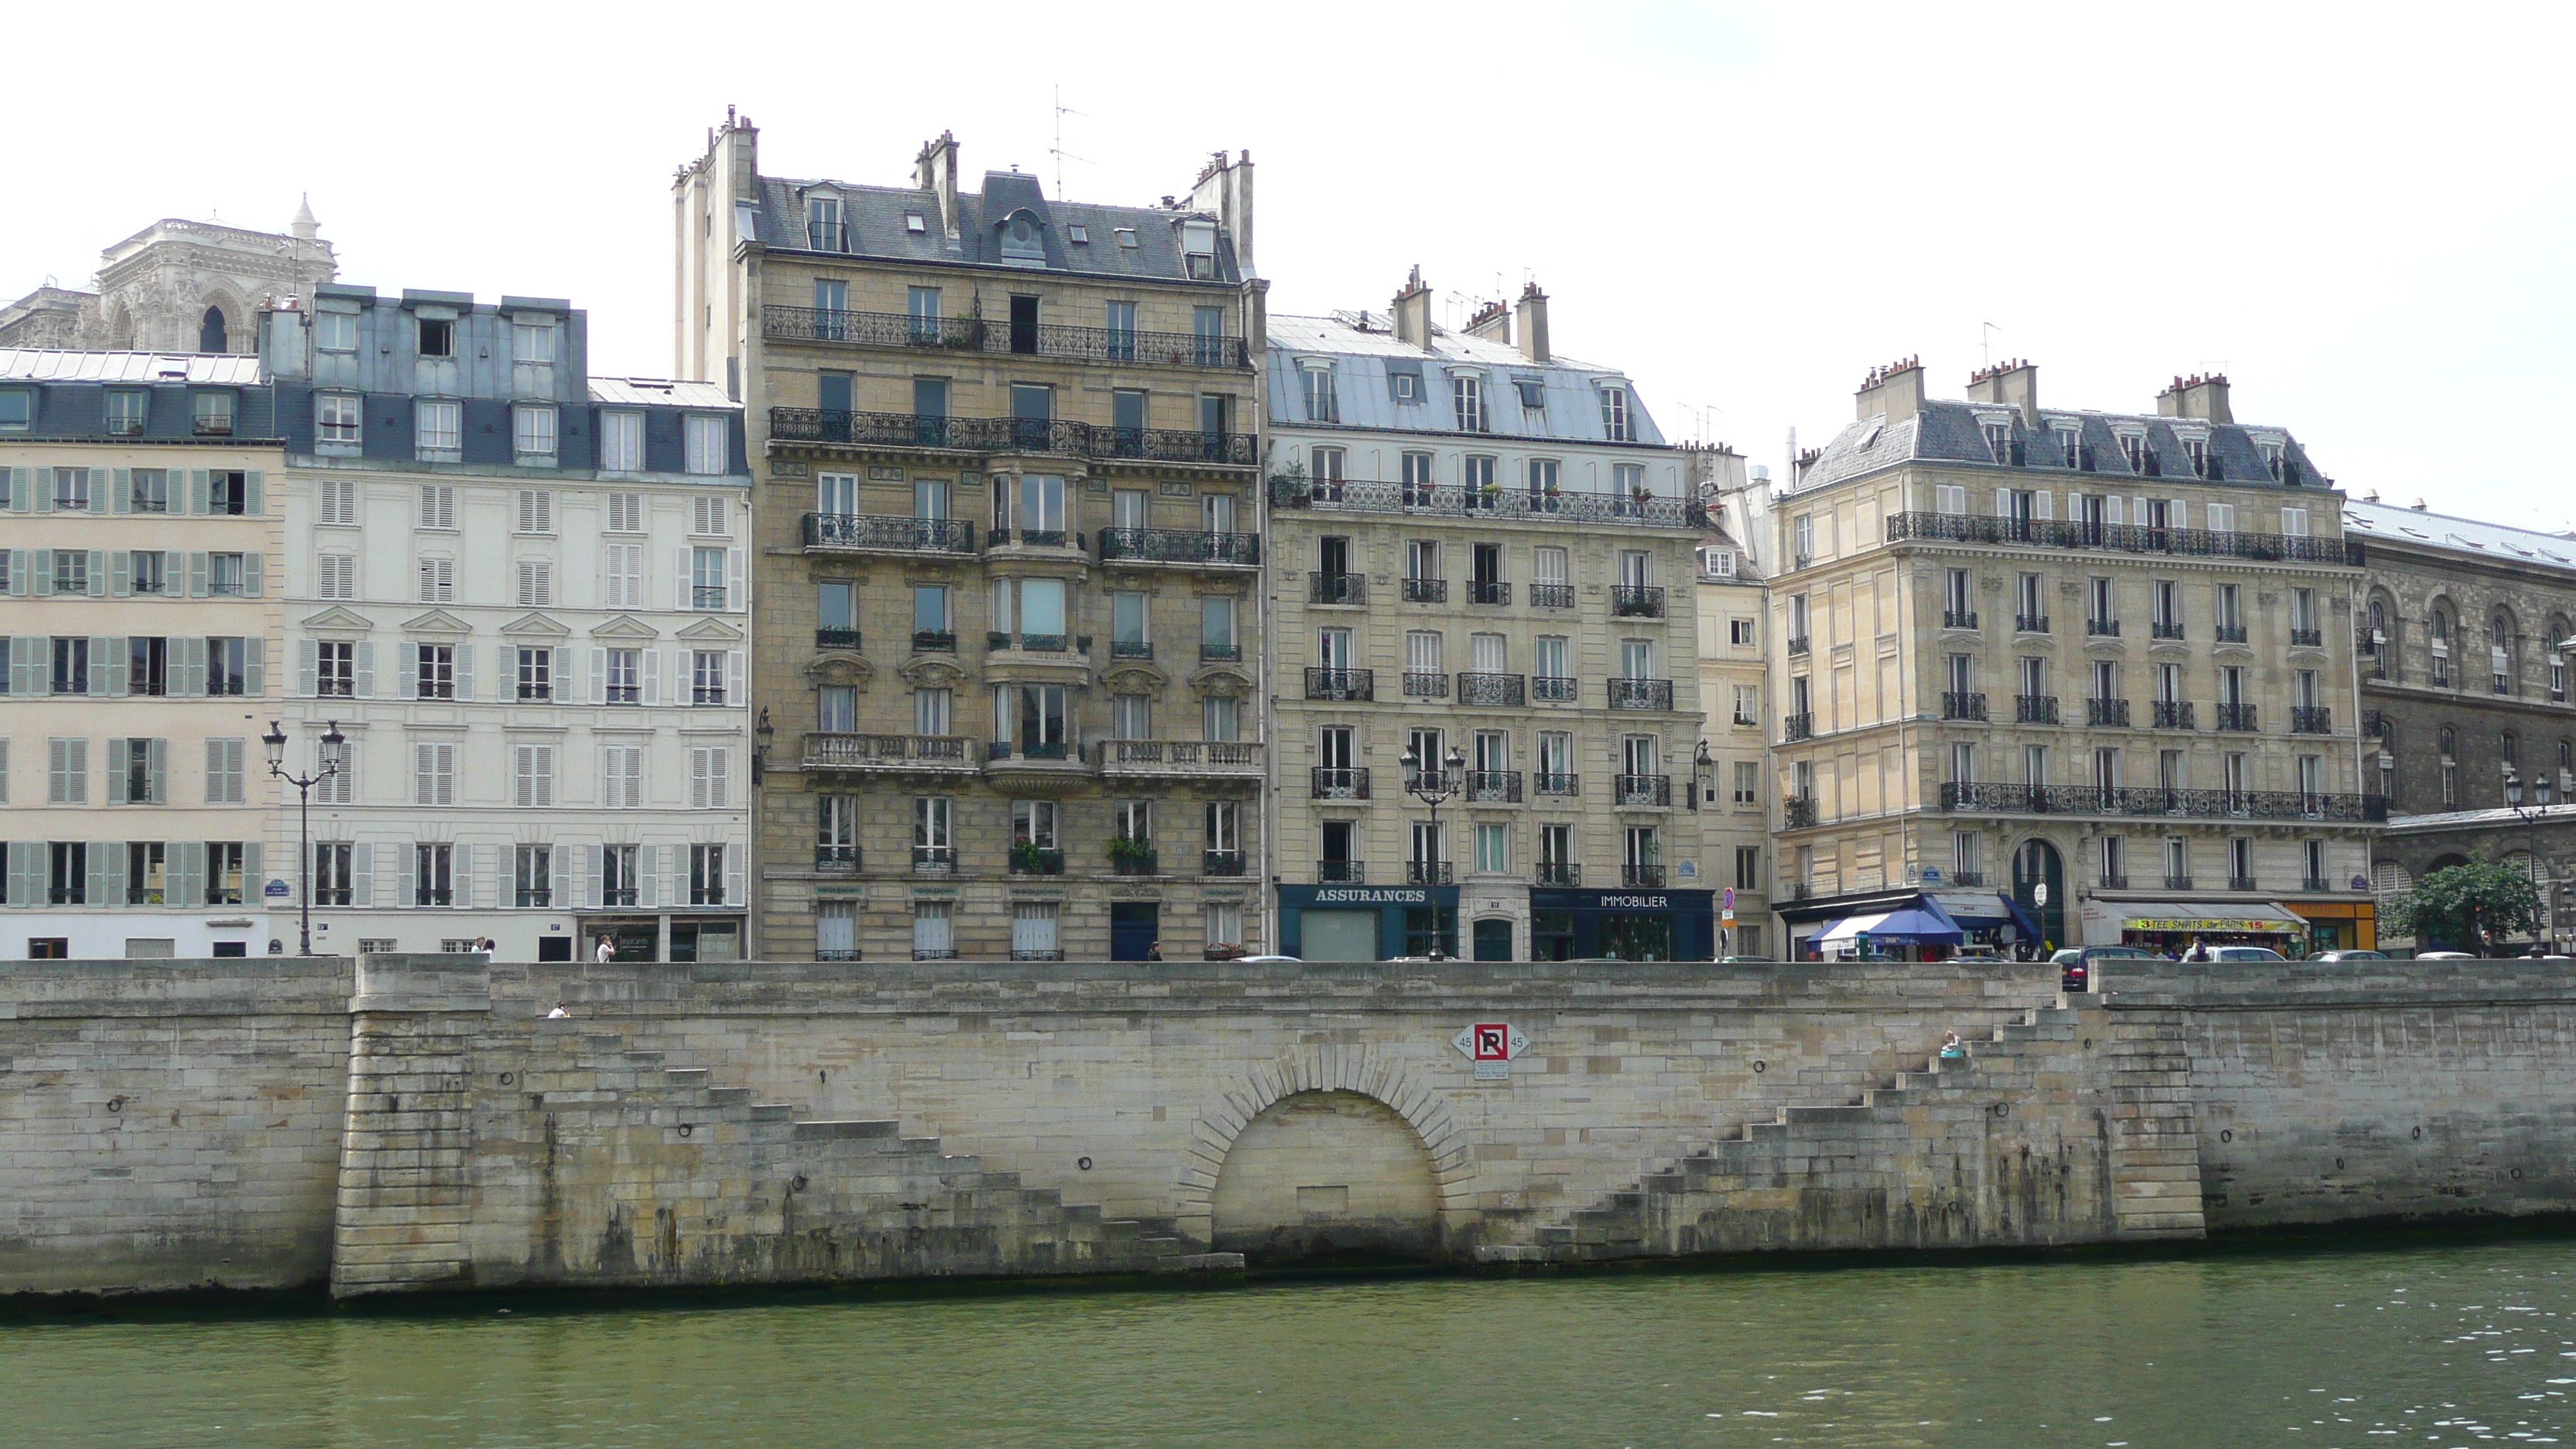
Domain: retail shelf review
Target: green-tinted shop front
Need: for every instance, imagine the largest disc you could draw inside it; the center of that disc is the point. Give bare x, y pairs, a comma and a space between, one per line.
1367, 923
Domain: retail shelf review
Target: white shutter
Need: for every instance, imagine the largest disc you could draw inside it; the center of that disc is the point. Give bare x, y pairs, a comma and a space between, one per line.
408, 657
680, 580
460, 877
698, 777
424, 774
652, 675
599, 676
366, 669
719, 778
733, 680
2003, 503
2111, 509
2043, 504
308, 666
2138, 511
362, 875
648, 875
465, 671
733, 881
737, 596
2181, 513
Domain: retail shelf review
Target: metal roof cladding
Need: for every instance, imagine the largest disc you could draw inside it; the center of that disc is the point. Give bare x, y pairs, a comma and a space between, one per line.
650, 391
29, 364
1363, 360
1950, 431
2468, 536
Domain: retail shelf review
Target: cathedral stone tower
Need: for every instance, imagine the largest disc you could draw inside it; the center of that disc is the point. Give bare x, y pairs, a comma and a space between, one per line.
177, 286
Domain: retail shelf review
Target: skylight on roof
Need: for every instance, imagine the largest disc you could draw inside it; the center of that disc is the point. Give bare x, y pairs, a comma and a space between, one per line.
1126, 236
1078, 234
912, 222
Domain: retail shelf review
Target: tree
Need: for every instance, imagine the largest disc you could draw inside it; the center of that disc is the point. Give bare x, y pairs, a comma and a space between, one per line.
2451, 906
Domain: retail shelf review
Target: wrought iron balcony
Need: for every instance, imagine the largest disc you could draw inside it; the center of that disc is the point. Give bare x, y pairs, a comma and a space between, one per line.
2242, 883
1341, 684
1341, 872
1493, 787
2314, 885
835, 954
975, 334
1636, 601
2311, 720
934, 641
1221, 862
1507, 691
910, 431
1796, 727
1131, 648
1429, 872
934, 860
887, 533
2121, 538
1797, 644
2113, 881
2153, 801
1180, 546
2236, 717
1324, 588
1649, 876
1559, 873
1956, 704
1426, 591
1967, 877
2307, 638
1037, 953
829, 638
934, 754
827, 236
1554, 688
1032, 538
1423, 684
1798, 812
1036, 860
1131, 861
1641, 792
2228, 633
2034, 709
1488, 591
1520, 504
2164, 629
837, 859
2031, 623
932, 953
2174, 714
1551, 596
997, 641
1958, 618
1185, 759
1219, 653
1329, 782
1641, 694
1546, 783
2102, 628
2178, 883
2113, 713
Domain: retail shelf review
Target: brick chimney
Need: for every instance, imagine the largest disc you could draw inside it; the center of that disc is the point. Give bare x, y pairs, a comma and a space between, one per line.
1412, 309
1224, 188
2013, 384
1493, 322
1533, 323
2196, 396
1895, 389
935, 169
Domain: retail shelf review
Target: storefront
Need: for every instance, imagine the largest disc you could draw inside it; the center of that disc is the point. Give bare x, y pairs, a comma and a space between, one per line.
2340, 925
650, 936
1367, 923
1983, 918
1631, 925
2170, 927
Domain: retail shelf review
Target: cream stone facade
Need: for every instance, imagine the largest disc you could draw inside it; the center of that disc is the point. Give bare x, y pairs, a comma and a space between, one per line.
1734, 783
1481, 552
1009, 648
177, 286
2107, 653
142, 621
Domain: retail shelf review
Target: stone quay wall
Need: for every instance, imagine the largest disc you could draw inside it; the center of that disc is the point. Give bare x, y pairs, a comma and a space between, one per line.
416, 1123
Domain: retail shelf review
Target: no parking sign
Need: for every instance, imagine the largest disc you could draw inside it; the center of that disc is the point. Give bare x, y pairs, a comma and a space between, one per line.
1491, 1045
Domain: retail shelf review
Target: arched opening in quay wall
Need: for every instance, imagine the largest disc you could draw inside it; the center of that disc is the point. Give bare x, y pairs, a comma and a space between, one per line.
1323, 1177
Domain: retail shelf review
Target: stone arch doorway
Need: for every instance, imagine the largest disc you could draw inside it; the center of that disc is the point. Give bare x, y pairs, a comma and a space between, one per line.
1321, 1177
2036, 863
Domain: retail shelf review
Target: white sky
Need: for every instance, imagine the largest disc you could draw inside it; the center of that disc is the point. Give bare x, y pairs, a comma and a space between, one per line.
2362, 214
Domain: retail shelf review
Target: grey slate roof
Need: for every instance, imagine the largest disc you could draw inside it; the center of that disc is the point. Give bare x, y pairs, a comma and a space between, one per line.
1364, 362
1954, 432
875, 215
2408, 527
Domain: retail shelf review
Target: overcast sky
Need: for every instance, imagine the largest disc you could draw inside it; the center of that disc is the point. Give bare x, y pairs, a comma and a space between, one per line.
2361, 214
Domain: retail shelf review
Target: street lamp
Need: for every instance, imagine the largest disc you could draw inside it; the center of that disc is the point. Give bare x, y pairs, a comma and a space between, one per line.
1433, 788
1701, 766
762, 733
332, 740
2530, 819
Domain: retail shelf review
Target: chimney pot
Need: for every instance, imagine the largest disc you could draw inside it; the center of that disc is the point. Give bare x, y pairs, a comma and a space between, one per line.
1412, 310
1533, 324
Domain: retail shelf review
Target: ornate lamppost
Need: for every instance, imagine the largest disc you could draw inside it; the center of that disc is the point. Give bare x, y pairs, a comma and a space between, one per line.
1433, 788
2530, 818
332, 740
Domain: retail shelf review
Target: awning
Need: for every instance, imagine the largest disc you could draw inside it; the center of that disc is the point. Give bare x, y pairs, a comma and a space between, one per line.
2249, 917
1919, 926
1985, 911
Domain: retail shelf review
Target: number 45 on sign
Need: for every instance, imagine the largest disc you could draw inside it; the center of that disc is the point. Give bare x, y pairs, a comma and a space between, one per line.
1491, 1045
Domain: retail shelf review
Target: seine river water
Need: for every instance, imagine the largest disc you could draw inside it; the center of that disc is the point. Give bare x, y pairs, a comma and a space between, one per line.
2353, 1348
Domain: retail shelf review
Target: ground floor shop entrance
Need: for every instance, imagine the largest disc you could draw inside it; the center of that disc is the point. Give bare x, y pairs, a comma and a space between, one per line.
1367, 923
1571, 925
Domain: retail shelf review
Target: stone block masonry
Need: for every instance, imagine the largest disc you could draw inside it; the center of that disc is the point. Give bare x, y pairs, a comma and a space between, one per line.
415, 1124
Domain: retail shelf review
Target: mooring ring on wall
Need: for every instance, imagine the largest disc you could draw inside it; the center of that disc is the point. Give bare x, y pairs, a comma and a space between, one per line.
2419, 1134
2003, 1109
2226, 1134
1761, 1066
1083, 1162
116, 1104
507, 1078
798, 1185
686, 1129
2517, 1174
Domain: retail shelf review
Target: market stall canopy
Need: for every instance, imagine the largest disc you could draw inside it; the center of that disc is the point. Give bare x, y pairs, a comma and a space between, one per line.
2248, 917
1984, 911
1923, 925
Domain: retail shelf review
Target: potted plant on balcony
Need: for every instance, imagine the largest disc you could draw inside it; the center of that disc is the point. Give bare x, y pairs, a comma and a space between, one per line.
1027, 858
1130, 856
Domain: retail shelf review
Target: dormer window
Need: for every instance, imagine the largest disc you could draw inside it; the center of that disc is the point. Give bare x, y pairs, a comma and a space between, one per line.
1408, 388
1999, 441
437, 337
1533, 394
1198, 248
1323, 404
1078, 235
125, 412
335, 331
2198, 450
1467, 393
2135, 446
1126, 236
1021, 239
2271, 458
214, 414
825, 231
17, 411
2070, 445
1615, 424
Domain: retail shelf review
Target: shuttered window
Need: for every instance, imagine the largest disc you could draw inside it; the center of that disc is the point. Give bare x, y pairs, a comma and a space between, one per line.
534, 777
710, 768
438, 505
335, 576
434, 774
536, 510
622, 777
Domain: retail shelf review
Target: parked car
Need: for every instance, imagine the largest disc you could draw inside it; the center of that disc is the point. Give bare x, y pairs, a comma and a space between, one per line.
2240, 954
2444, 956
2075, 963
2350, 956
1269, 961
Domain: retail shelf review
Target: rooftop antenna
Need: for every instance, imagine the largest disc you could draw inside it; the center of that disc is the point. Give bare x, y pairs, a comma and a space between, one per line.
1057, 150
1989, 342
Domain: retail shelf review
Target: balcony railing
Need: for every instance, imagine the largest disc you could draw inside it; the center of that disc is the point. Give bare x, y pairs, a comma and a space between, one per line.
2307, 638
2311, 720
934, 641
1131, 648
1559, 873
1796, 727
837, 859
1331, 782
975, 334
2113, 713
833, 638
1341, 684
1797, 644
1179, 545
2102, 628
1958, 618
2031, 623
1190, 758
1551, 596
2174, 714
893, 534
1211, 653
2164, 629
2228, 633
1546, 783
2034, 709
1967, 877
1426, 591
2314, 885
1507, 691
1341, 872
2242, 883
1488, 591
832, 751
2236, 717
1512, 503
1037, 953
1041, 751
2121, 538
1429, 872
1423, 684
2151, 801
1641, 694
1636, 601
1035, 860
995, 640
1221, 862
1956, 704
1554, 688
934, 860
1011, 435
1493, 787
1136, 862
1641, 792
1324, 588
2178, 883
1798, 812
1649, 876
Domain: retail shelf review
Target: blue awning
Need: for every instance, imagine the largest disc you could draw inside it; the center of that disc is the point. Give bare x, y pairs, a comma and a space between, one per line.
1922, 924
1986, 911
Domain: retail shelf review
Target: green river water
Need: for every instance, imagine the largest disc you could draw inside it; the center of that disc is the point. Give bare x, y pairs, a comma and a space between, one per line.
2355, 1347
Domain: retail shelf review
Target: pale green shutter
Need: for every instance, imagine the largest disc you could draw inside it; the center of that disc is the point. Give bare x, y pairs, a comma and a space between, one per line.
255, 498
117, 774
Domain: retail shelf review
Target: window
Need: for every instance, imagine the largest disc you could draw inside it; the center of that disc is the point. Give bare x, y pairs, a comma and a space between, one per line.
707, 676
434, 671
533, 434
836, 708
71, 570
1221, 718
335, 576
836, 832
433, 774
621, 444
1614, 415
624, 681
71, 490
67, 772
621, 774
707, 578
438, 505
2294, 522
335, 669
71, 666
1493, 848
706, 875
1033, 823
620, 875
1467, 396
17, 411
437, 580
437, 336
1748, 782
223, 873
532, 876
225, 778
1216, 628
708, 517
536, 584
125, 413
709, 452
1131, 717
710, 777
533, 776
1323, 405
438, 432
150, 572
335, 331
